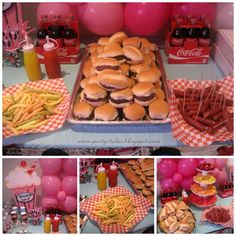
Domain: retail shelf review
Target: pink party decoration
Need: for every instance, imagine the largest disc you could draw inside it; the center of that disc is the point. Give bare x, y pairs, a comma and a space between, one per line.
220, 163
146, 18
210, 161
187, 166
51, 9
69, 185
168, 183
50, 165
48, 201
196, 9
187, 182
70, 204
51, 185
158, 188
102, 18
215, 172
225, 16
177, 177
222, 176
70, 166
61, 196
167, 167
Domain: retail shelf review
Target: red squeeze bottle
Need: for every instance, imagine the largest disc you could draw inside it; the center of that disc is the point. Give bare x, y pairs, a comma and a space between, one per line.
51, 60
112, 175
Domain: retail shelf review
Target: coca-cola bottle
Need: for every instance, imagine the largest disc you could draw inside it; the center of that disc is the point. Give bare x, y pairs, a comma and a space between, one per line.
177, 38
204, 37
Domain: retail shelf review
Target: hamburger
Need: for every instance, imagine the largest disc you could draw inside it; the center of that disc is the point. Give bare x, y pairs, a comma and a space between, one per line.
83, 111
134, 112
121, 98
112, 46
118, 37
125, 68
94, 95
88, 70
116, 54
144, 93
135, 69
102, 64
133, 41
103, 41
151, 75
93, 80
105, 112
133, 55
158, 110
160, 94
84, 82
93, 47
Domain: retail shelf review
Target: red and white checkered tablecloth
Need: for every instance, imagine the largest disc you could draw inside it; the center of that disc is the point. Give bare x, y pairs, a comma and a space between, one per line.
141, 210
181, 129
55, 121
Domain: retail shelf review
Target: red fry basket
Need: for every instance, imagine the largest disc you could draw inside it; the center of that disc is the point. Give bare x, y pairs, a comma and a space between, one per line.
185, 133
55, 121
140, 212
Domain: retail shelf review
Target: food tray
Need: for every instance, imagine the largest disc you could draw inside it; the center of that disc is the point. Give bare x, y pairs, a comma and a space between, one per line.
203, 195
72, 119
134, 189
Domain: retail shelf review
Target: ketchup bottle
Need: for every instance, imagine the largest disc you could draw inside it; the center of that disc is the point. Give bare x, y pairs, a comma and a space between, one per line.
51, 60
112, 175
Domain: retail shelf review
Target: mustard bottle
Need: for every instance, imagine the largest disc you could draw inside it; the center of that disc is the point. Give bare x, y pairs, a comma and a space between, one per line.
101, 178
47, 225
31, 62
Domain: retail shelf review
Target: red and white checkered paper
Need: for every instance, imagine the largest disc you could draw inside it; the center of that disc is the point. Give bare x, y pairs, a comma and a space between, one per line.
141, 210
55, 121
181, 129
229, 223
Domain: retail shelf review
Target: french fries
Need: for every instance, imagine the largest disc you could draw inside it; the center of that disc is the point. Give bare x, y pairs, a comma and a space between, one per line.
29, 108
115, 209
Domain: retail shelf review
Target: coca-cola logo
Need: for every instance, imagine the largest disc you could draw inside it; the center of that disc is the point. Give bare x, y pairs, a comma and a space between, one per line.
62, 52
25, 197
195, 52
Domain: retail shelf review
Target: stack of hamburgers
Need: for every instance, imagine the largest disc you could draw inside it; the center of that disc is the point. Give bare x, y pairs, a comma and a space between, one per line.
121, 74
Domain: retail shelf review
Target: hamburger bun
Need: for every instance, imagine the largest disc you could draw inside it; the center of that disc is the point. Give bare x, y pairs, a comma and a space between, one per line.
102, 64
83, 111
121, 98
146, 192
94, 95
150, 75
88, 70
84, 82
133, 41
93, 47
105, 112
135, 69
150, 198
103, 41
132, 162
133, 55
134, 112
160, 94
158, 109
112, 46
131, 82
144, 93
125, 68
118, 37
116, 54
93, 80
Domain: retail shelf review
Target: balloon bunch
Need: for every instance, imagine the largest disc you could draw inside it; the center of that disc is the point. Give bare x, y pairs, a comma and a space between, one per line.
59, 183
178, 173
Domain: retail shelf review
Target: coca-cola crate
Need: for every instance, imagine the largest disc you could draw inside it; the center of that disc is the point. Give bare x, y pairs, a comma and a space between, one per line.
67, 54
189, 53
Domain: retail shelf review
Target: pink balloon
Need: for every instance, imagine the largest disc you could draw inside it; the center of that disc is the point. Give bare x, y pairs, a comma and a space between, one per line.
51, 9
70, 204
168, 183
158, 189
50, 165
167, 167
210, 161
102, 18
70, 166
220, 163
225, 16
187, 166
69, 185
61, 196
187, 182
196, 9
177, 177
48, 201
146, 18
215, 172
222, 176
51, 185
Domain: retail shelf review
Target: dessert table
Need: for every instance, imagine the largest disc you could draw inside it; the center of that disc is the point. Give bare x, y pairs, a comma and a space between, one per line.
111, 136
205, 227
90, 188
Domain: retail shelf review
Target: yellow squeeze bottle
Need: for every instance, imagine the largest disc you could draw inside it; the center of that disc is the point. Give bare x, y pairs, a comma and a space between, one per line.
101, 178
47, 225
31, 62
